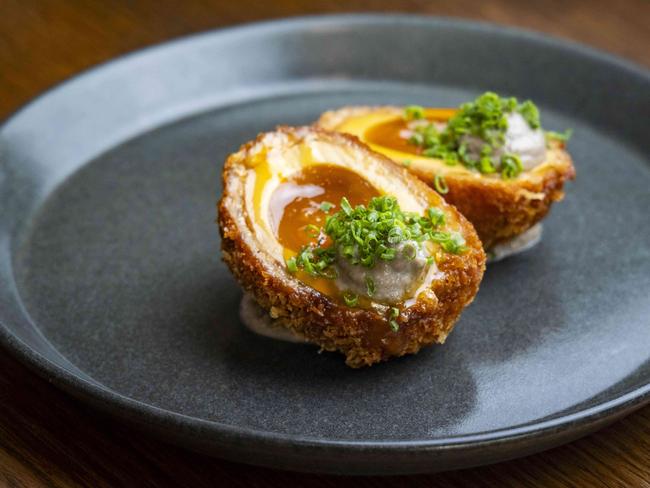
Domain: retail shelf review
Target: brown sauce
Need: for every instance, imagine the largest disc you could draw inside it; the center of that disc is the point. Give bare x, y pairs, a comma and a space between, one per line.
389, 134
296, 204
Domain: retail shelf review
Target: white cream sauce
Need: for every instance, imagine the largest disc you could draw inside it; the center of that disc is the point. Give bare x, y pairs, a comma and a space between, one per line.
257, 320
520, 139
393, 280
516, 245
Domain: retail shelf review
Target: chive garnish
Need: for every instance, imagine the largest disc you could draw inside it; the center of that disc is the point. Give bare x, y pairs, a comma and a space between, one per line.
350, 299
394, 313
453, 242
484, 118
440, 184
326, 206
291, 265
409, 251
366, 235
316, 261
312, 230
370, 286
436, 216
345, 206
559, 136
486, 166
414, 112
511, 165
530, 113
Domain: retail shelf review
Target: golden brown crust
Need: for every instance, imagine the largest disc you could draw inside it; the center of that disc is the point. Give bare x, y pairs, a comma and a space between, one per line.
321, 320
498, 209
502, 209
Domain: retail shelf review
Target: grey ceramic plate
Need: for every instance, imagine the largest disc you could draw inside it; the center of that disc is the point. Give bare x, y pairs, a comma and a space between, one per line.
112, 285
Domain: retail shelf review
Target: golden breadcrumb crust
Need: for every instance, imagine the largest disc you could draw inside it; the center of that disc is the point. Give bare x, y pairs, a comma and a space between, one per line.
499, 209
355, 332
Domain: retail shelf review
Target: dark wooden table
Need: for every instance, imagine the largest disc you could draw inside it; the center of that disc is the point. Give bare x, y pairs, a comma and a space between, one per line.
49, 439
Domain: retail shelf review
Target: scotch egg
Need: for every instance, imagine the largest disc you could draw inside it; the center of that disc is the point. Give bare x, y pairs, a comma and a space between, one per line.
337, 246
490, 159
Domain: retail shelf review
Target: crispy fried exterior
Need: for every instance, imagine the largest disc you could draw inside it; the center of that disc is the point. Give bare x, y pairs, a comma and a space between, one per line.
502, 209
499, 209
363, 335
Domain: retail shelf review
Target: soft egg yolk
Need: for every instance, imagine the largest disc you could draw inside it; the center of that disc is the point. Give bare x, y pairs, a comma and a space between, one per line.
391, 133
300, 205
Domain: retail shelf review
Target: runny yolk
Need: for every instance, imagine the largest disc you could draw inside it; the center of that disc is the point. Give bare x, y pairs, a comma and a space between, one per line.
394, 133
296, 205
297, 213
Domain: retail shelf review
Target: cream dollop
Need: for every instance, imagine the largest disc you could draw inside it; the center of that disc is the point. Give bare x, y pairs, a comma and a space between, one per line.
516, 245
258, 320
393, 280
520, 139
527, 143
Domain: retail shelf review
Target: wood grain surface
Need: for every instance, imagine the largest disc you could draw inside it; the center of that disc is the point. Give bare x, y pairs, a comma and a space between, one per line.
48, 439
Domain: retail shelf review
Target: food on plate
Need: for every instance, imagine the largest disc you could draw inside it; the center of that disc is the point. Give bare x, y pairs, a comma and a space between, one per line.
342, 248
490, 158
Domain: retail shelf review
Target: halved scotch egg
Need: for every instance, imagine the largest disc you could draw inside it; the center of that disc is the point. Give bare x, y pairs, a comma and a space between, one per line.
340, 247
490, 158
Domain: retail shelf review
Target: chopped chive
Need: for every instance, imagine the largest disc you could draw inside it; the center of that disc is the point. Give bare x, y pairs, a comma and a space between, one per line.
395, 235
326, 206
511, 166
436, 216
365, 235
440, 184
370, 286
312, 230
414, 112
530, 113
350, 299
486, 119
394, 312
316, 261
409, 251
416, 139
388, 254
345, 206
406, 162
394, 326
291, 265
559, 136
486, 166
